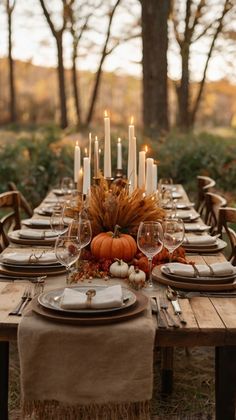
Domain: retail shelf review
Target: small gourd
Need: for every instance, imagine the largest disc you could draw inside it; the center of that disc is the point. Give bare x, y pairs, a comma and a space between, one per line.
137, 278
119, 269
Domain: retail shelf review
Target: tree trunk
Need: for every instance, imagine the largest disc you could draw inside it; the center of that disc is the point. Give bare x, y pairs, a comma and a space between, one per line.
183, 89
155, 43
61, 82
11, 68
76, 90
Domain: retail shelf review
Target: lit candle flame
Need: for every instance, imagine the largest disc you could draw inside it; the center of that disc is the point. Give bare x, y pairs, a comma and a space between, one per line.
96, 138
77, 143
131, 120
105, 113
99, 151
90, 136
146, 148
86, 151
119, 140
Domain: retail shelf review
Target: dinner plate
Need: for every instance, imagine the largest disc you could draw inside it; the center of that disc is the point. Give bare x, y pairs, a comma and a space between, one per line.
15, 237
51, 300
196, 227
200, 279
180, 206
191, 284
131, 312
37, 224
32, 271
188, 217
218, 246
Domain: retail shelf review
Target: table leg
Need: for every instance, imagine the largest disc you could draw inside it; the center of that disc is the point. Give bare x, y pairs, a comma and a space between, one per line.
225, 382
167, 356
4, 369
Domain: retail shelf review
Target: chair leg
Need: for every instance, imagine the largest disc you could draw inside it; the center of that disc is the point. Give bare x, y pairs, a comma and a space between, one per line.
167, 357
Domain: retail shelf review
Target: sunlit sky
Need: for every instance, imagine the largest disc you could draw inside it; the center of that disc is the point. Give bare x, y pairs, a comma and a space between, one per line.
32, 40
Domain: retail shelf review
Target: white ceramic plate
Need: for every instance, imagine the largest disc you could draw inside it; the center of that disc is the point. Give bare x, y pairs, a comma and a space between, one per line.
51, 300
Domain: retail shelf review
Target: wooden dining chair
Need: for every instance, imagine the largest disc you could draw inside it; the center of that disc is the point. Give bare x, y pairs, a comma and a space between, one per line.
24, 204
213, 204
9, 215
227, 219
204, 185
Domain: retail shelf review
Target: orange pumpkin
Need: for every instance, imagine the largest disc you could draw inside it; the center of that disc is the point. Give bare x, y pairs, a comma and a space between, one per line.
111, 245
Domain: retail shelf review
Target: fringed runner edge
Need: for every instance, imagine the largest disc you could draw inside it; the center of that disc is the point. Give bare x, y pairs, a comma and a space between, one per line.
51, 410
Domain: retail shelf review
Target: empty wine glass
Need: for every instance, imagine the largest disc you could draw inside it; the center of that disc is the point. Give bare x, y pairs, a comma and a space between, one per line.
173, 234
150, 242
57, 222
67, 250
167, 202
165, 183
82, 228
67, 185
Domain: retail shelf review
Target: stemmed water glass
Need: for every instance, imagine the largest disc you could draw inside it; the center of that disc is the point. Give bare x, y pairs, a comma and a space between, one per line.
67, 250
150, 242
174, 232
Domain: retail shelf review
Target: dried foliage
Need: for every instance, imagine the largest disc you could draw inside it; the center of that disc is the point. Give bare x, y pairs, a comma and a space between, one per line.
113, 205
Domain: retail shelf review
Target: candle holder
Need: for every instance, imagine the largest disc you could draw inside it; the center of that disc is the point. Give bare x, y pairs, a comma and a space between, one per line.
119, 173
96, 180
109, 181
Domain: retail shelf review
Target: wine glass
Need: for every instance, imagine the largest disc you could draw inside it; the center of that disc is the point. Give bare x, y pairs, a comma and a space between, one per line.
82, 228
165, 183
67, 250
173, 234
150, 242
67, 185
57, 222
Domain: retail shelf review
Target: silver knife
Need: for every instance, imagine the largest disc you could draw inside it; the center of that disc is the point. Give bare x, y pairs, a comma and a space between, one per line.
156, 309
178, 311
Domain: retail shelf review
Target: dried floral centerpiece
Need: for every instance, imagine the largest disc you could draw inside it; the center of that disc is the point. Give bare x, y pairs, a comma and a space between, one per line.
112, 205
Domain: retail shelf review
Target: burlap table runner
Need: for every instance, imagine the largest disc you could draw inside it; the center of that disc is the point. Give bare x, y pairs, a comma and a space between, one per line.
74, 372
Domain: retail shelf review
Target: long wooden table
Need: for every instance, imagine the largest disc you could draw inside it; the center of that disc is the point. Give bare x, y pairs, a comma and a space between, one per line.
210, 322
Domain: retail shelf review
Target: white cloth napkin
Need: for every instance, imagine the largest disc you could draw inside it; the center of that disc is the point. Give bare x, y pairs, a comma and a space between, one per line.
186, 214
195, 227
36, 234
200, 240
36, 222
202, 270
29, 257
109, 297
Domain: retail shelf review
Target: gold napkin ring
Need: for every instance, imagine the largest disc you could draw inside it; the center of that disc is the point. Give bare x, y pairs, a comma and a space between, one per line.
90, 294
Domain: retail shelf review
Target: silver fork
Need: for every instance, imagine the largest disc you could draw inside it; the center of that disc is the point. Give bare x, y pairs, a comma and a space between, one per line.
24, 298
25, 303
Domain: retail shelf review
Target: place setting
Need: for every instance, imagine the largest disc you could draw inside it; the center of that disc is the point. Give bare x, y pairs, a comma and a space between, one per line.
28, 262
90, 304
33, 236
203, 243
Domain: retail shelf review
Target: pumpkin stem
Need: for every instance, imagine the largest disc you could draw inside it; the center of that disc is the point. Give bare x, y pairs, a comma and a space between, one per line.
118, 261
116, 233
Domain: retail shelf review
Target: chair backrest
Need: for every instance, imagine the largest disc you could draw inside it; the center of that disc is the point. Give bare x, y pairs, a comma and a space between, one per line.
227, 216
9, 215
23, 202
204, 185
213, 204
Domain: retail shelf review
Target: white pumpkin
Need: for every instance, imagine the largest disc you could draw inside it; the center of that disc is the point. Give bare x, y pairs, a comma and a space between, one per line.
119, 269
137, 278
